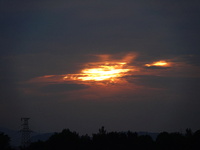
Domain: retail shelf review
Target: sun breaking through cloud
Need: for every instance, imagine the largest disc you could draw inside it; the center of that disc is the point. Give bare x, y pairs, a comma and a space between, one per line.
104, 71
107, 69
160, 63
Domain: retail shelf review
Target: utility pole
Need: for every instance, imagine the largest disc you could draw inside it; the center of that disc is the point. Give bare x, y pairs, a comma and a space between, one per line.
25, 133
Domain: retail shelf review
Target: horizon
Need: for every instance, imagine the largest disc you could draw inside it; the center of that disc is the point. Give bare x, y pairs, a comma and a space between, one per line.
16, 136
35, 133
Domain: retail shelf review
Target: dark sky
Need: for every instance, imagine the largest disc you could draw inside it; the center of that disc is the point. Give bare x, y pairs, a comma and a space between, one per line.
48, 37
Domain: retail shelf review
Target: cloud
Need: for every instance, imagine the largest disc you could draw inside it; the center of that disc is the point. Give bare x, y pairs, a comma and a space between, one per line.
179, 85
156, 67
140, 72
76, 27
189, 59
61, 88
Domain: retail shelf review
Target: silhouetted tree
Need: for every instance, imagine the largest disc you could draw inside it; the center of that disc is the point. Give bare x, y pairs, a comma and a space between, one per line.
104, 140
196, 140
39, 145
163, 141
86, 142
132, 140
117, 140
64, 140
188, 133
100, 139
102, 131
145, 142
172, 141
4, 141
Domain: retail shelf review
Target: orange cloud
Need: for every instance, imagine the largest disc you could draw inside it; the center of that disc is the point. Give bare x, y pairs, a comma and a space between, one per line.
109, 75
106, 70
161, 63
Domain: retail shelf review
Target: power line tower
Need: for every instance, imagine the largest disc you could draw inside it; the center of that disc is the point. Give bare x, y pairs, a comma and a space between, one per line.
25, 133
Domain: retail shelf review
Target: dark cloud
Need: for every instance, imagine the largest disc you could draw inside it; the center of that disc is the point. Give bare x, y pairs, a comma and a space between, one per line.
61, 88
156, 67
190, 59
155, 28
28, 66
180, 85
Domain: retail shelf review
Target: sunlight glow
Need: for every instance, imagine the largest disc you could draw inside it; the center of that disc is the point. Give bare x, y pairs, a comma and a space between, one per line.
107, 71
158, 64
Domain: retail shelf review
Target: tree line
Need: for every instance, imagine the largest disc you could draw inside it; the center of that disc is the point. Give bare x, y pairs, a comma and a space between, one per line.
104, 140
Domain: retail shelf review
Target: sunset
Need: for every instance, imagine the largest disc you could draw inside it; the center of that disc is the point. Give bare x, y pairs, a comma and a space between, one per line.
106, 71
100, 65
158, 63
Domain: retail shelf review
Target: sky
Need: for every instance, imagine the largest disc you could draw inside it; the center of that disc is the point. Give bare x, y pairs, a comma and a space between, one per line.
146, 53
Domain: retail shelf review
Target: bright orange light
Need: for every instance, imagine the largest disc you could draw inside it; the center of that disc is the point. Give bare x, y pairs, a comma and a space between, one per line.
108, 71
158, 64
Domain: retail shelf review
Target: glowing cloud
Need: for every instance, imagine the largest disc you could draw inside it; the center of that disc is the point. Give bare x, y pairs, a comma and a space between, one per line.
105, 70
161, 63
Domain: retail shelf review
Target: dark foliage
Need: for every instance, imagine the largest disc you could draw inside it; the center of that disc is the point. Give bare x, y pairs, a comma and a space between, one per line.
4, 142
104, 140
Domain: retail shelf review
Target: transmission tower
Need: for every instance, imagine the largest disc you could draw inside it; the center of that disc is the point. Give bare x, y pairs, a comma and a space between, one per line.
25, 133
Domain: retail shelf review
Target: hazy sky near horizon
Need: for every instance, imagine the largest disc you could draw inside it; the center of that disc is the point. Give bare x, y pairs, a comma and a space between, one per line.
43, 41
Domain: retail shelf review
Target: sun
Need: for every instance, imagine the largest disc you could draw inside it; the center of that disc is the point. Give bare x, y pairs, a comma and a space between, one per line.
103, 71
